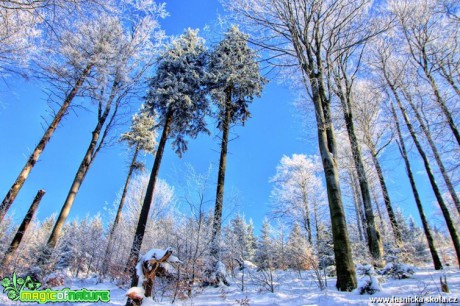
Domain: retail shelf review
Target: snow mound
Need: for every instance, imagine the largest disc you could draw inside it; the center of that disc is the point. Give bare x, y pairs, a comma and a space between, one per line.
397, 270
136, 293
368, 285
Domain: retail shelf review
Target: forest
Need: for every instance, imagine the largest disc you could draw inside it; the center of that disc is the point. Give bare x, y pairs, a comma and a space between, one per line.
367, 201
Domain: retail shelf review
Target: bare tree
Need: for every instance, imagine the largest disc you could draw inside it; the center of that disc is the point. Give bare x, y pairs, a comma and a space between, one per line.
402, 149
421, 27
80, 51
134, 54
300, 31
376, 135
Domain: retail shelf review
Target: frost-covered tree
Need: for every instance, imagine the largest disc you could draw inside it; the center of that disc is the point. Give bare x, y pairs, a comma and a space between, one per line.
298, 192
178, 98
299, 252
239, 241
135, 49
376, 135
25, 26
234, 82
303, 34
427, 36
87, 47
426, 227
141, 137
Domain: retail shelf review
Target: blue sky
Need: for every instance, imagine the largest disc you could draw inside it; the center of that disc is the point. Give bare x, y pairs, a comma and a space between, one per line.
253, 156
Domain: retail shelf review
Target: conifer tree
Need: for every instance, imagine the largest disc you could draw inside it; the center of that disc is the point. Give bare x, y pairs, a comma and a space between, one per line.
234, 82
178, 97
141, 137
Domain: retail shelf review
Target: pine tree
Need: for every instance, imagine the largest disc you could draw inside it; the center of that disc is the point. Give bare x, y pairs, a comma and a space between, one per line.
234, 82
178, 97
141, 137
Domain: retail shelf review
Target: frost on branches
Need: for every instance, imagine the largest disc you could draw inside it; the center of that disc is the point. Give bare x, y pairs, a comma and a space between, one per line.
142, 134
177, 90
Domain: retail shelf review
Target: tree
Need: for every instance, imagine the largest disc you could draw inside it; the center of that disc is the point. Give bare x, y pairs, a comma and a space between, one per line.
426, 228
134, 51
234, 82
141, 137
81, 50
390, 74
298, 191
375, 135
21, 230
178, 97
299, 255
302, 33
25, 25
421, 28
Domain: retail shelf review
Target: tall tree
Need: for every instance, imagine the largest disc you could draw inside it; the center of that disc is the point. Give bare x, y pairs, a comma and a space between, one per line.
390, 74
235, 81
426, 228
376, 136
22, 229
178, 97
141, 137
421, 27
135, 51
80, 51
300, 31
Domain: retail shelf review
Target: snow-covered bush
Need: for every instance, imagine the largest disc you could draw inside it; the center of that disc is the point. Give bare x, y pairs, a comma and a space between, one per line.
368, 284
397, 270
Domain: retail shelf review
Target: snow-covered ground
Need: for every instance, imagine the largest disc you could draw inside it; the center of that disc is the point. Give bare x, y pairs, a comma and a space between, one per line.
290, 289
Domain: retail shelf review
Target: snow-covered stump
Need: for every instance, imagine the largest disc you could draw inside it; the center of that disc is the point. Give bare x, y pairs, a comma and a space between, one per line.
154, 263
217, 275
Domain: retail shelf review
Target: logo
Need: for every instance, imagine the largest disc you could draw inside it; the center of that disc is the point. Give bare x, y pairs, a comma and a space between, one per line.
27, 290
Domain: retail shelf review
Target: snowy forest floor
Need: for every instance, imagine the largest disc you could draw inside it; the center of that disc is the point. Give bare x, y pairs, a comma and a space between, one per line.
290, 289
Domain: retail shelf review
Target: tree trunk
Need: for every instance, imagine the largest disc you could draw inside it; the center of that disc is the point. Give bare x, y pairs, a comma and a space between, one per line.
119, 211
439, 99
426, 228
437, 157
373, 235
379, 213
434, 185
75, 187
14, 190
85, 164
217, 223
311, 63
143, 218
386, 196
307, 213
346, 275
359, 213
22, 229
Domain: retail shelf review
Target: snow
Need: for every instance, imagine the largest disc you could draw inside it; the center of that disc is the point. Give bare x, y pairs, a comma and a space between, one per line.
137, 292
155, 254
291, 289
